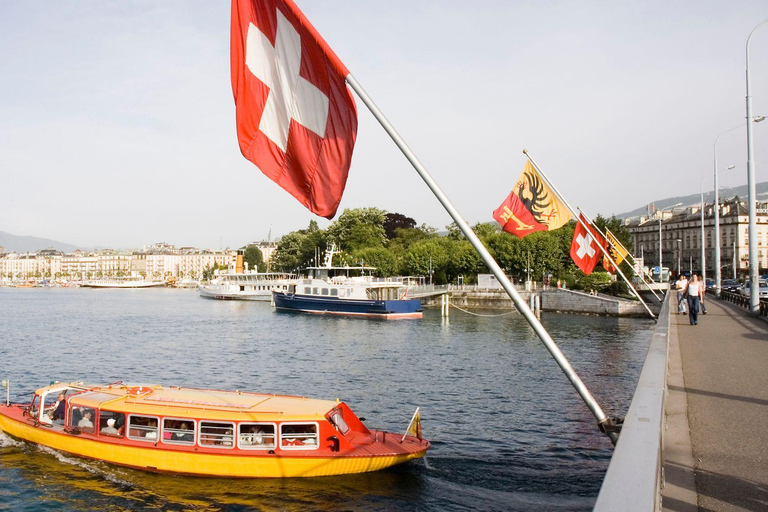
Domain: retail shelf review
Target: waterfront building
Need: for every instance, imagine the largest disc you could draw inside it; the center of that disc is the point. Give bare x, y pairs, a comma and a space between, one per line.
158, 261
681, 238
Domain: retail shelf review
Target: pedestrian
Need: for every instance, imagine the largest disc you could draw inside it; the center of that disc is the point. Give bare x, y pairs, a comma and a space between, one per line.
681, 285
703, 294
694, 293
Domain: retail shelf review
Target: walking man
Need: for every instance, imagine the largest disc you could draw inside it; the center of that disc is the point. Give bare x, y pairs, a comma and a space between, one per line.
681, 284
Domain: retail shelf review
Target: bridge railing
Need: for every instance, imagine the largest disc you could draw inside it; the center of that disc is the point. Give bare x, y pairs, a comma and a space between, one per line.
633, 479
743, 301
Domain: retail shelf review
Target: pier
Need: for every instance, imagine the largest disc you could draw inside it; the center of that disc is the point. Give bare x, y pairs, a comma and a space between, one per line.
694, 437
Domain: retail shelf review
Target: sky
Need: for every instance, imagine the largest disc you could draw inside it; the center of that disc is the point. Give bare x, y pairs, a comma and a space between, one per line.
117, 118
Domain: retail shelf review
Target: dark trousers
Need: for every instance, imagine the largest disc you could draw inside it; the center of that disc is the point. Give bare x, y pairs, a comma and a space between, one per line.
693, 309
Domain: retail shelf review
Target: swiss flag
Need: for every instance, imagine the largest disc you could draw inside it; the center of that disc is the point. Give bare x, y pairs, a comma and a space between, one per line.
585, 250
296, 119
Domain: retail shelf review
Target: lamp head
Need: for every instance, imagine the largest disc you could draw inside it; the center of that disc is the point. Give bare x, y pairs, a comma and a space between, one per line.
757, 119
730, 167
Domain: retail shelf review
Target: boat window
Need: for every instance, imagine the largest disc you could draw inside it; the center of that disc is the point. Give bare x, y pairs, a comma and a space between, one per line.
335, 292
111, 423
298, 436
82, 418
307, 290
217, 434
256, 436
325, 291
315, 291
142, 428
337, 418
342, 292
178, 431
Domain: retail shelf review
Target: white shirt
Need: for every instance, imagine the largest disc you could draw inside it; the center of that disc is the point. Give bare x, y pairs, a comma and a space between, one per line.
694, 289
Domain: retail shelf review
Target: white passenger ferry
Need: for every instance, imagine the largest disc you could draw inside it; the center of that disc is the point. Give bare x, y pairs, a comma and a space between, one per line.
248, 285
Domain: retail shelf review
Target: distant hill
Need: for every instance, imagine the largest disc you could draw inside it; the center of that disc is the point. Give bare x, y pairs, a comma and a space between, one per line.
694, 199
15, 243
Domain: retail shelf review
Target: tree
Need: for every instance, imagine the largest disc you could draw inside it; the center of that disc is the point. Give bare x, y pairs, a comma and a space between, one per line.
405, 237
425, 255
358, 228
297, 249
383, 259
395, 221
254, 258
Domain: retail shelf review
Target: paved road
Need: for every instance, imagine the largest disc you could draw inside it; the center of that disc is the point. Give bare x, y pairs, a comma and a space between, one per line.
725, 374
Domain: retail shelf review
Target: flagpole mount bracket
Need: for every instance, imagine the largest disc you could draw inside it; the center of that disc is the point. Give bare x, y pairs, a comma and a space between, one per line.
611, 425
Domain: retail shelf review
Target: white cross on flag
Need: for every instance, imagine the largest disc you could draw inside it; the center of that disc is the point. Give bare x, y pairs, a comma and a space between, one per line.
584, 248
296, 119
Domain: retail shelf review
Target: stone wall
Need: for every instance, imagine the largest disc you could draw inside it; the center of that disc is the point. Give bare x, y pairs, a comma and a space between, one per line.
552, 300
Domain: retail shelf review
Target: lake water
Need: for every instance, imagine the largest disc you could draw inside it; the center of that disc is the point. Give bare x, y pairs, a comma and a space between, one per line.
508, 432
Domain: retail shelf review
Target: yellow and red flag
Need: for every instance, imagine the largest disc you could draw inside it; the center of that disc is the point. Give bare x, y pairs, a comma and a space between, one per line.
616, 250
531, 206
414, 427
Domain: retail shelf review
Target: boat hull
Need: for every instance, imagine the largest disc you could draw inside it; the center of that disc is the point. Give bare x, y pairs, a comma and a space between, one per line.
231, 465
261, 296
137, 284
388, 309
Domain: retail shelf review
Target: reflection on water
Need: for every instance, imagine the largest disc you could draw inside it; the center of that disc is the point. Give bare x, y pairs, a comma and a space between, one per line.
508, 431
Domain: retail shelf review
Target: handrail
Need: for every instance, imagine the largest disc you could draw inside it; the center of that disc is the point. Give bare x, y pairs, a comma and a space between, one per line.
633, 479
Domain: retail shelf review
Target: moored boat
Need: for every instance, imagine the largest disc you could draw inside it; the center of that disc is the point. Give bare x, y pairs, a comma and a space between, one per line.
348, 291
122, 283
245, 285
207, 432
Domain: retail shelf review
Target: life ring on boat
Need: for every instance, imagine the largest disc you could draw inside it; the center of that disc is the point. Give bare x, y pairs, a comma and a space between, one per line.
138, 390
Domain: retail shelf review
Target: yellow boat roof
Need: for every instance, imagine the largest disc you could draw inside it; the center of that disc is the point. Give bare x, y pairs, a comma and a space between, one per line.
173, 401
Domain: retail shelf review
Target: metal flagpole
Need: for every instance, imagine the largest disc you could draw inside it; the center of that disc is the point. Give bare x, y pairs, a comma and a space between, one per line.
610, 258
604, 422
641, 276
634, 260
578, 219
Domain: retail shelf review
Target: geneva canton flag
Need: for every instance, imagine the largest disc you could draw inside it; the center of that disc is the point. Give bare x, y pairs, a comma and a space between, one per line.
296, 119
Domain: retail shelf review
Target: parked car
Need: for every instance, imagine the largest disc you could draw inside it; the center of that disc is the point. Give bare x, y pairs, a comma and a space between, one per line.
763, 291
730, 285
710, 284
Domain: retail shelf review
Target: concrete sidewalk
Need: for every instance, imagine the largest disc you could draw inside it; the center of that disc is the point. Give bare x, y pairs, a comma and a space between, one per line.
716, 455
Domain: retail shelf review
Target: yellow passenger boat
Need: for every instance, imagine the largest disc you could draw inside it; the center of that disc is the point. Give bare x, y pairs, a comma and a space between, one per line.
207, 432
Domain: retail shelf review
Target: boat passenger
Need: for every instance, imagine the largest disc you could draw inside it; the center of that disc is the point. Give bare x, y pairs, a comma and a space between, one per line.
110, 428
59, 407
186, 436
85, 421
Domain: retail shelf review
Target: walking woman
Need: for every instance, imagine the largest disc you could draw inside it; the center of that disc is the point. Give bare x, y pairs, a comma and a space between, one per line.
695, 292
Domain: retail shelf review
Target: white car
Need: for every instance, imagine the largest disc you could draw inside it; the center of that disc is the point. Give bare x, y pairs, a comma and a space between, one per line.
763, 292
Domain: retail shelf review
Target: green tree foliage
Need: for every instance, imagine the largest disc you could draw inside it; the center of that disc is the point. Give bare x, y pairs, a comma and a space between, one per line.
254, 258
542, 251
405, 237
416, 261
297, 249
383, 259
358, 228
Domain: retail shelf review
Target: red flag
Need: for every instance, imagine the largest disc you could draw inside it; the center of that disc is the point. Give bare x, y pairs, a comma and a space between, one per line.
584, 249
296, 119
515, 218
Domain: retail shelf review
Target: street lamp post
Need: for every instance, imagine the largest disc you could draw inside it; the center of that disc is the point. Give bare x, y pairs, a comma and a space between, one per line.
754, 288
703, 238
661, 216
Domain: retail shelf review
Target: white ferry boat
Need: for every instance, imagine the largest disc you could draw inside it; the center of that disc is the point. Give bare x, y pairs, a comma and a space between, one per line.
122, 283
348, 291
248, 285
